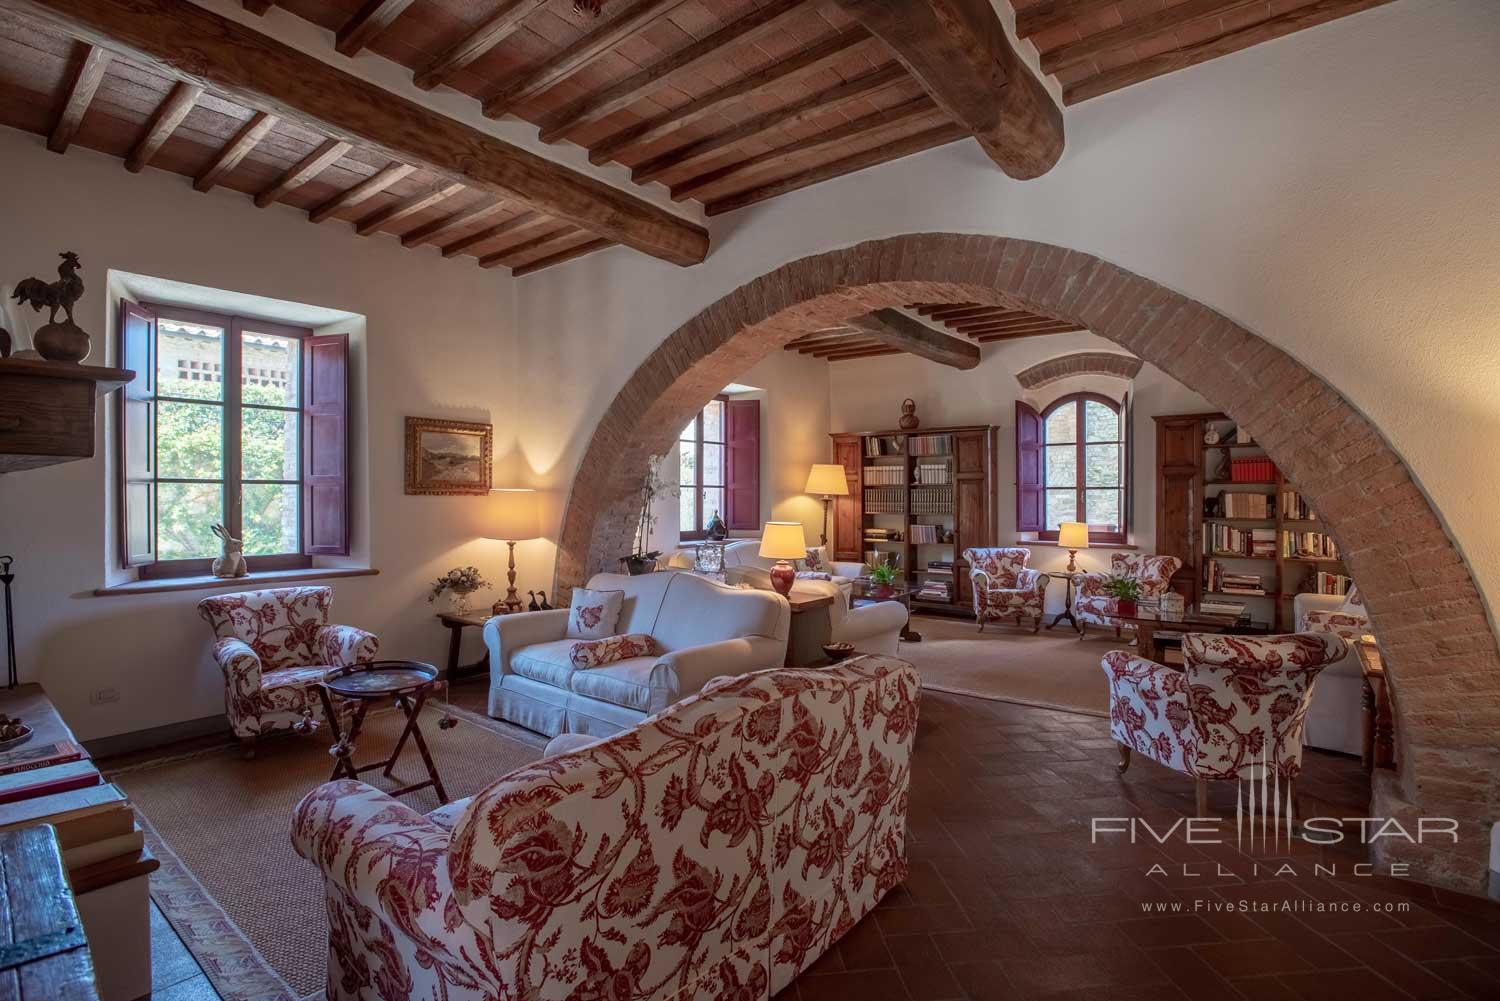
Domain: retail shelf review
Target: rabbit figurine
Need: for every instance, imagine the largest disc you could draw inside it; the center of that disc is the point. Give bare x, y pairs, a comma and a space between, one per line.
232, 563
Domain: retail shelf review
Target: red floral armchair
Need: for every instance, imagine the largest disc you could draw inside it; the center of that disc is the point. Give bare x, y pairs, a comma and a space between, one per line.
1240, 703
273, 646
1004, 588
1093, 604
712, 851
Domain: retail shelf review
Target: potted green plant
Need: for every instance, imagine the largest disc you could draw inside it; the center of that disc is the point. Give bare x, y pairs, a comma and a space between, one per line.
1126, 592
640, 560
883, 577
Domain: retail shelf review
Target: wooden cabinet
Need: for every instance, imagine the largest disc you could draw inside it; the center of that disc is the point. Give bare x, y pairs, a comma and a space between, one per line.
47, 410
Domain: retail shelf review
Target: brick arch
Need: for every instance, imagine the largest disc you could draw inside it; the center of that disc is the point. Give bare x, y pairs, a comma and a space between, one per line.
1440, 651
1110, 363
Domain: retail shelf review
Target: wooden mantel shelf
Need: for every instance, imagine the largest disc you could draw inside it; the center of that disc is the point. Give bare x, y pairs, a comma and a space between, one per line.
47, 410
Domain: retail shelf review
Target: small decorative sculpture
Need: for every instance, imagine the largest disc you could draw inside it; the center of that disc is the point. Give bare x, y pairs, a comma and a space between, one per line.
533, 607
716, 529
57, 341
232, 563
545, 607
909, 421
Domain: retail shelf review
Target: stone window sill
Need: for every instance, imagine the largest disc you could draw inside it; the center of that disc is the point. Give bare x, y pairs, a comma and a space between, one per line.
234, 583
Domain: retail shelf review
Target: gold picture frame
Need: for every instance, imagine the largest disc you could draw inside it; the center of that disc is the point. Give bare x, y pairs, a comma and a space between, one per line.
448, 457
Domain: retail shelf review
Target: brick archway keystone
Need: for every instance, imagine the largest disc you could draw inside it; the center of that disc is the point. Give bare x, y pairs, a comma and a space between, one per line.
1067, 366
1440, 650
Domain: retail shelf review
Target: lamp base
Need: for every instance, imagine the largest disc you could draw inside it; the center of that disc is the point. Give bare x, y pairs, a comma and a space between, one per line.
783, 576
1072, 561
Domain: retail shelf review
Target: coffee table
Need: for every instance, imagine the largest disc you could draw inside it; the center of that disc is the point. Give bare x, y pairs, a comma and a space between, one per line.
409, 682
870, 593
1149, 621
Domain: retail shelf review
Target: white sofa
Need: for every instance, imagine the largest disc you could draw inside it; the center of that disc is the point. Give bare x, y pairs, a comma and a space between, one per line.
1335, 718
703, 630
746, 553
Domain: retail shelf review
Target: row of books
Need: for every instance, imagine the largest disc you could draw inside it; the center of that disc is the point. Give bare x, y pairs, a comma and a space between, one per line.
931, 500
935, 590
929, 444
922, 535
885, 500
1294, 508
1238, 504
882, 535
1252, 469
931, 473
877, 446
1226, 540
1217, 578
940, 566
1310, 545
885, 476
1328, 583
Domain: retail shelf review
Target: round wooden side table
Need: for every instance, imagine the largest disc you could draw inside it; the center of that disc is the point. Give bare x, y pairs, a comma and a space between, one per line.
409, 682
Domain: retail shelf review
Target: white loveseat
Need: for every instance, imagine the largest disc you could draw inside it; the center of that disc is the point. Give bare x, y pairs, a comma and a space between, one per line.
1335, 719
702, 630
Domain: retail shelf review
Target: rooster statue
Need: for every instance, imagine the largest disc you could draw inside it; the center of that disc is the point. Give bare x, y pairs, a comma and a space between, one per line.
61, 294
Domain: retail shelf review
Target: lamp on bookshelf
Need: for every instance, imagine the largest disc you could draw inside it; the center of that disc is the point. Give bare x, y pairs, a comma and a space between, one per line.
1073, 536
829, 480
782, 541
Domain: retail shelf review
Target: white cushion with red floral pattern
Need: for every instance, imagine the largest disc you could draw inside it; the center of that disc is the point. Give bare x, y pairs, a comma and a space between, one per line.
596, 653
594, 615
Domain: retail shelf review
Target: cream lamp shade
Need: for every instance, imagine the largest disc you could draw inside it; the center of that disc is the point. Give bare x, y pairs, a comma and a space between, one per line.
828, 479
515, 515
1073, 535
783, 540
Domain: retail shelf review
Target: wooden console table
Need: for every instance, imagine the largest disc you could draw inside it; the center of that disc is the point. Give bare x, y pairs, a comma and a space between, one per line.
1379, 732
456, 625
43, 950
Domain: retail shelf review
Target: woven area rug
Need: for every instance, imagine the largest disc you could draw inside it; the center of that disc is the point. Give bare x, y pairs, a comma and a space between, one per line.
1052, 669
246, 905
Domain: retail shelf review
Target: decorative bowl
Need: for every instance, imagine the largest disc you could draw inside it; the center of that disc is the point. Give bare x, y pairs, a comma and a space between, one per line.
836, 652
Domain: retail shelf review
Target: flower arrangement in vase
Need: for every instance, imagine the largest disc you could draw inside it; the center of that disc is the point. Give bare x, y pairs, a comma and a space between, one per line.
883, 576
1126, 592
458, 583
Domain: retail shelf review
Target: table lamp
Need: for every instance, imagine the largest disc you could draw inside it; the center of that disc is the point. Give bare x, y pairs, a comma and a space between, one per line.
829, 480
782, 541
1073, 536
515, 516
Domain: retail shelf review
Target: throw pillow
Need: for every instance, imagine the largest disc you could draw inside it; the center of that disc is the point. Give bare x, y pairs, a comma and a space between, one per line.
812, 575
597, 653
594, 614
814, 561
1354, 602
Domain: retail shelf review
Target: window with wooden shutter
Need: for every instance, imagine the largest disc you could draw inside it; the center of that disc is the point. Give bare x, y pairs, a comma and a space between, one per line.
325, 482
1030, 473
137, 436
742, 465
1082, 468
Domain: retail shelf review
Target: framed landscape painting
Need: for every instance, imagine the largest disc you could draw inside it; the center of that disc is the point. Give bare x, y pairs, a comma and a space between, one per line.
447, 457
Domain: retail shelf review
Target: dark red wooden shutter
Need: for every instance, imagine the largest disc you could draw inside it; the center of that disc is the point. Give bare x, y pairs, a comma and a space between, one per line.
137, 434
1127, 475
1030, 474
325, 444
742, 465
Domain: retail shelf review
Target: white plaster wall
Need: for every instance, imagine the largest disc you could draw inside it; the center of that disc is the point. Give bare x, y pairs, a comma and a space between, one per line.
1335, 191
436, 343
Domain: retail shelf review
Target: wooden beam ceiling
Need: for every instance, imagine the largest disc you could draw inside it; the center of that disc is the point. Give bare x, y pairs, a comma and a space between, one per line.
958, 51
235, 150
163, 123
1054, 14
490, 32
405, 209
195, 45
309, 167
361, 192
895, 329
448, 223
85, 83
561, 257
367, 23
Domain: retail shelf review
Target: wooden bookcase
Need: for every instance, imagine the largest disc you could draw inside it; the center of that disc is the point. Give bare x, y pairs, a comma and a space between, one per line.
1186, 477
958, 498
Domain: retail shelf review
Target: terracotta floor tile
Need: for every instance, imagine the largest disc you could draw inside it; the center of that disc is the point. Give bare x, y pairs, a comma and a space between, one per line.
1245, 959
1435, 943
1342, 985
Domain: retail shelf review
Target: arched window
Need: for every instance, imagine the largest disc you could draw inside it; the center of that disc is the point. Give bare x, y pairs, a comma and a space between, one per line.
1084, 467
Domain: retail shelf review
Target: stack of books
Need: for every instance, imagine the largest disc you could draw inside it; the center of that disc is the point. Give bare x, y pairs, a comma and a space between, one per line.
935, 590
1222, 606
1252, 470
882, 535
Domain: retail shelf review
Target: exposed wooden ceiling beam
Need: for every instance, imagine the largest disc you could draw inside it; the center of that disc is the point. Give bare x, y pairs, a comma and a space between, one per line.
405, 209
1052, 13
908, 111
810, 60
510, 253
528, 84
987, 328
813, 340
933, 308
989, 338
515, 222
951, 317
867, 353
1142, 29
305, 170
561, 257
895, 329
790, 116
959, 52
235, 150
361, 192
258, 7
1317, 12
490, 32
929, 139
446, 224
1031, 328
86, 81
188, 42
845, 343
367, 23
593, 107
163, 123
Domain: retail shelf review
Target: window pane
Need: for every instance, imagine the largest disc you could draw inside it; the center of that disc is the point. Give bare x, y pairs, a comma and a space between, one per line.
1062, 465
1102, 423
713, 464
1103, 507
183, 513
687, 517
190, 360
690, 433
1062, 505
713, 503
189, 441
687, 464
1101, 465
1062, 425
713, 421
270, 515
268, 369
269, 445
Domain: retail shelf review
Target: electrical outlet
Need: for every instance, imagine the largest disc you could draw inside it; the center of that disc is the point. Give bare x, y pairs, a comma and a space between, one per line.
99, 696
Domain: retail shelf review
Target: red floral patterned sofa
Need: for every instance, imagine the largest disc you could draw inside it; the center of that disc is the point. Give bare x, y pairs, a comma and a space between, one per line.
273, 646
712, 851
1240, 701
1093, 604
1004, 588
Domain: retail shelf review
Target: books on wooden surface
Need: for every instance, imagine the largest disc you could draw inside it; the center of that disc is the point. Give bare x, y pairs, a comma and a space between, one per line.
96, 827
94, 852
35, 782
34, 756
63, 808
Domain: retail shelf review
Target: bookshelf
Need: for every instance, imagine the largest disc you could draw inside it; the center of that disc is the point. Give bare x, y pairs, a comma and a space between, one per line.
919, 498
1230, 531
